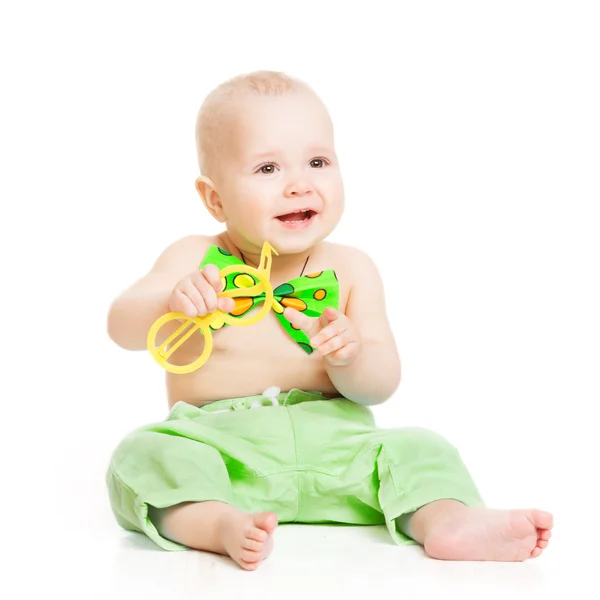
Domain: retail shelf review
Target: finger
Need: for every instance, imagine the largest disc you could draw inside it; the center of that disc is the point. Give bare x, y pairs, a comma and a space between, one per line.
309, 325
181, 303
213, 276
336, 327
189, 289
332, 345
207, 291
342, 356
329, 315
226, 304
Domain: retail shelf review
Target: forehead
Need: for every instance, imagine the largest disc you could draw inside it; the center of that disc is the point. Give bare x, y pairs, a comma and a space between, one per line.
271, 122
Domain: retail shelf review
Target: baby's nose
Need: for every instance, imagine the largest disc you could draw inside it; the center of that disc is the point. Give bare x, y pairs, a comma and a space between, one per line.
298, 188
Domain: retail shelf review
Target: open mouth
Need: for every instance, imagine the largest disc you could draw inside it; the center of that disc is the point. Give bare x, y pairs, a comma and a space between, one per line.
298, 216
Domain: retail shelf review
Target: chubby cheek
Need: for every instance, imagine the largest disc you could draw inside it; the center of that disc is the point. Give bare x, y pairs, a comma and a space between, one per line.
332, 193
249, 209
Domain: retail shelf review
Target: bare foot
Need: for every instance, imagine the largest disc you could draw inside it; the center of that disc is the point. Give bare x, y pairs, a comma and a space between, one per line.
248, 538
476, 533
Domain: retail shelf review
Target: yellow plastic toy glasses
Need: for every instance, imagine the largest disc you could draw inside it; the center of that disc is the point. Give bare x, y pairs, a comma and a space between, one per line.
162, 353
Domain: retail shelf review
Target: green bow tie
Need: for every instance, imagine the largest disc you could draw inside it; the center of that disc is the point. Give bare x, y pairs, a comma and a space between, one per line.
310, 294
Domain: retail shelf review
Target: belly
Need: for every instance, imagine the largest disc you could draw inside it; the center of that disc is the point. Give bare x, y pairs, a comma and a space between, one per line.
245, 361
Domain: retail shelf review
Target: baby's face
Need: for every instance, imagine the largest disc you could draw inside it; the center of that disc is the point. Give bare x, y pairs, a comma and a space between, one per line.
280, 180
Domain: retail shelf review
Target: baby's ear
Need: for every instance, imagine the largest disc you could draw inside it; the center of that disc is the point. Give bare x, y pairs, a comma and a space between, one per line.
205, 186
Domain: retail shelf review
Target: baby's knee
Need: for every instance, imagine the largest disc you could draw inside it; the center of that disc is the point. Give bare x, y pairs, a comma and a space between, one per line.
132, 446
418, 439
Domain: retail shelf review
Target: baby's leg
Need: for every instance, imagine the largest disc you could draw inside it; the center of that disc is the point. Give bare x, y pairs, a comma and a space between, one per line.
432, 498
218, 527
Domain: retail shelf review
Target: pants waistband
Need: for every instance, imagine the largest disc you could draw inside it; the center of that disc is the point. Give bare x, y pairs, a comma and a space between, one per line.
270, 397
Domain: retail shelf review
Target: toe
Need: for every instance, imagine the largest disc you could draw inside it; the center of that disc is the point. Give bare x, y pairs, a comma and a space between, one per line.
536, 552
249, 566
256, 534
542, 544
253, 545
266, 521
542, 519
250, 556
544, 534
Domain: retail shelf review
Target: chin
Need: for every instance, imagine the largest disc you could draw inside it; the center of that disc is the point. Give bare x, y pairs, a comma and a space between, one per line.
295, 243
283, 246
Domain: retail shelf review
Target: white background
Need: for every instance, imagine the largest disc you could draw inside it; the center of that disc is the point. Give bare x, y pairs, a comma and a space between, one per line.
469, 139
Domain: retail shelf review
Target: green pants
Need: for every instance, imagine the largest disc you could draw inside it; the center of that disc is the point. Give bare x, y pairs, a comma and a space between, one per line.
306, 458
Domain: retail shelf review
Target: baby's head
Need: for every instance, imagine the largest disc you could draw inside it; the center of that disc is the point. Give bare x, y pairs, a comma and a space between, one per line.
265, 150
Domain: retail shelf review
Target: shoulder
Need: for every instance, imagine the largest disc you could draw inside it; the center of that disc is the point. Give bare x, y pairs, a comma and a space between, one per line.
348, 258
355, 270
185, 254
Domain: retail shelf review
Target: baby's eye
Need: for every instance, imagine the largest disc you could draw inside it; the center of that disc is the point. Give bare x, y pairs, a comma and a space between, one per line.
318, 163
267, 169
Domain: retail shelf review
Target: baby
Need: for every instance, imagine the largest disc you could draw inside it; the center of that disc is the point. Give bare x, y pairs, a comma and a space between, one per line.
275, 427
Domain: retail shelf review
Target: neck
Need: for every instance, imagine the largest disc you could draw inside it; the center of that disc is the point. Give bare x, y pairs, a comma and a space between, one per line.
251, 256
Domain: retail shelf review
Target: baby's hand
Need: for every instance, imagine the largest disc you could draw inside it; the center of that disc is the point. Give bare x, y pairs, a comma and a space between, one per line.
196, 294
332, 334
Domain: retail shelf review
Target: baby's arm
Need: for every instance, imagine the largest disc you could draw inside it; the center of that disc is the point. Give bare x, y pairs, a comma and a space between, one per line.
375, 373
133, 312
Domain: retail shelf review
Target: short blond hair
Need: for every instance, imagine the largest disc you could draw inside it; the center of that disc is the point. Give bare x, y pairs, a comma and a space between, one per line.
212, 116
